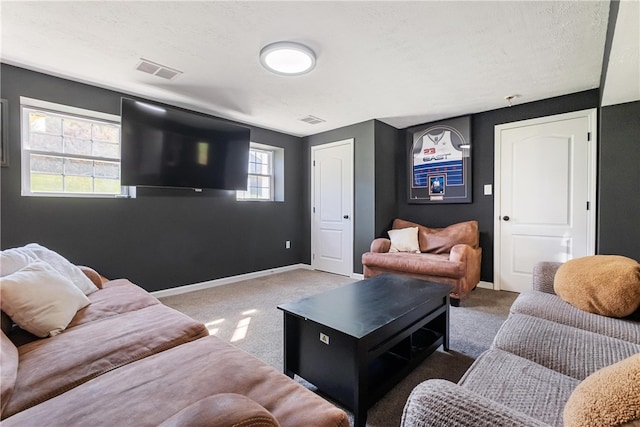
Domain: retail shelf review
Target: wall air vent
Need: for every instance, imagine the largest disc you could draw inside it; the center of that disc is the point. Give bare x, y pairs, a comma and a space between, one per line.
156, 69
312, 120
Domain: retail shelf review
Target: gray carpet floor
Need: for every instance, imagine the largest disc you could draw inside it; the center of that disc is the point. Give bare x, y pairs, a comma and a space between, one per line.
245, 314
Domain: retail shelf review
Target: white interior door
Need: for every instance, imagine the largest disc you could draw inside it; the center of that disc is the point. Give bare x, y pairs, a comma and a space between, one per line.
545, 192
332, 207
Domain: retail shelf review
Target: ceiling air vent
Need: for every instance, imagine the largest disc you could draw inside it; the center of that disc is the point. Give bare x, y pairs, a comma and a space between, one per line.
151, 67
312, 120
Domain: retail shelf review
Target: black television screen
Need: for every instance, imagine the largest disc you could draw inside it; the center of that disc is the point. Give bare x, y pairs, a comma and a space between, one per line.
168, 147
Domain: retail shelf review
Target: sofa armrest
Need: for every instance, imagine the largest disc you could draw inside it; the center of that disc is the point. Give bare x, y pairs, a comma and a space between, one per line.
93, 275
443, 403
223, 410
380, 245
543, 275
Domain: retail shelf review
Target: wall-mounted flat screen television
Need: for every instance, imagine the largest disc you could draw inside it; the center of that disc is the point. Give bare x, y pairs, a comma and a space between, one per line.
169, 147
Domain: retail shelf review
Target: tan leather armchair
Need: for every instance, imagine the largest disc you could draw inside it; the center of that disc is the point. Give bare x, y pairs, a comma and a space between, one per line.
448, 255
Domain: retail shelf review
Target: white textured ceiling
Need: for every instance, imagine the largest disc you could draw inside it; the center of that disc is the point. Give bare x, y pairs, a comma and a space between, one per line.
403, 63
623, 74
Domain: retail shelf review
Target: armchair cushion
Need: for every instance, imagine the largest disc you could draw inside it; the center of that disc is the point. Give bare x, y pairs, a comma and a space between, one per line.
441, 240
425, 264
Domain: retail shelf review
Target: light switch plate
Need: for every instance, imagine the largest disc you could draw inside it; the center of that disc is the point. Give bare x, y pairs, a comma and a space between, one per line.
487, 189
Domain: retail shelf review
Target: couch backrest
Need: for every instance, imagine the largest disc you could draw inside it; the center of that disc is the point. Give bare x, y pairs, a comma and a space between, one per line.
441, 240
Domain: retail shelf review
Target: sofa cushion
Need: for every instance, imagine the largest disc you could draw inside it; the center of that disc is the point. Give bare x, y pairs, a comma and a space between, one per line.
608, 397
551, 307
565, 349
520, 384
404, 240
442, 403
115, 298
39, 299
603, 284
8, 369
441, 240
94, 348
224, 409
157, 387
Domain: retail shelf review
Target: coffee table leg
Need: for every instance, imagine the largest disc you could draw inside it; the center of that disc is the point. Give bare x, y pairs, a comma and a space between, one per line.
360, 420
289, 346
360, 392
360, 411
445, 339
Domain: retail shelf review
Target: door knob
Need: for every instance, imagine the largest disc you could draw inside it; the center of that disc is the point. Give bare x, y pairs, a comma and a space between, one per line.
506, 217
346, 217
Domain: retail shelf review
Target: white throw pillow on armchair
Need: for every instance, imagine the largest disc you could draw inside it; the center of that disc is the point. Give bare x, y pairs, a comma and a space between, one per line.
404, 240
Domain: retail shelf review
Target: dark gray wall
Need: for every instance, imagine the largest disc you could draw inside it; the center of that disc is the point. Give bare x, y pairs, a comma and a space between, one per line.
387, 139
170, 238
364, 185
163, 238
375, 177
482, 135
619, 180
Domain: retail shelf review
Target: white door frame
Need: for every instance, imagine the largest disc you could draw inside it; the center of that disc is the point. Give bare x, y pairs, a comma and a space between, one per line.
314, 148
592, 116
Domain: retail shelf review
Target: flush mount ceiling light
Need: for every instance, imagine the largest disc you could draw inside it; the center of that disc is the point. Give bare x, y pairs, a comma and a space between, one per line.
287, 58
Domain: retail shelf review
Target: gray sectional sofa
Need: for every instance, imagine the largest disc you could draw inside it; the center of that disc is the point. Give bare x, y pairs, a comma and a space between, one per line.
544, 349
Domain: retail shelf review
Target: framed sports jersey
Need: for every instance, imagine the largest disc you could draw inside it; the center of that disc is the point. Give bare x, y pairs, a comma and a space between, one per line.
440, 162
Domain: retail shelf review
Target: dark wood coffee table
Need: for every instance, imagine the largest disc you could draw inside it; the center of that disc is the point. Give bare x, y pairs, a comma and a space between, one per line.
356, 342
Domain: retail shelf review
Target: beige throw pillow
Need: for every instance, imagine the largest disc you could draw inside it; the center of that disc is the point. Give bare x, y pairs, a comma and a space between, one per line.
12, 260
608, 285
404, 240
40, 300
608, 397
63, 266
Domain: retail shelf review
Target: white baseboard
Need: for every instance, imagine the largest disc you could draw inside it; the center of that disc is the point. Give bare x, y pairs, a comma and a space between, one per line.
254, 275
226, 280
485, 285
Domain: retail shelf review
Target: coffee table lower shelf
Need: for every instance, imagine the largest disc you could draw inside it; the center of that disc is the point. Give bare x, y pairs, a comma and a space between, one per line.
391, 367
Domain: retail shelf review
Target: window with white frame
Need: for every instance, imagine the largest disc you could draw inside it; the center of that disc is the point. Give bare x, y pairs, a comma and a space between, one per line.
67, 151
260, 182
